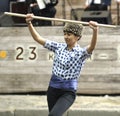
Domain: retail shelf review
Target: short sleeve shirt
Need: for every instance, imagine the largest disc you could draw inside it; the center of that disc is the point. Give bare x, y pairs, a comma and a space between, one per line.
67, 64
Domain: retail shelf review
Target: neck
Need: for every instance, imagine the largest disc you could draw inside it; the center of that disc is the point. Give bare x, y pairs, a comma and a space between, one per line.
71, 47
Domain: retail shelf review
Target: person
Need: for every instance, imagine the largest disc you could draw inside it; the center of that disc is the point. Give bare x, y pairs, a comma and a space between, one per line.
118, 1
118, 11
42, 8
69, 58
20, 0
97, 5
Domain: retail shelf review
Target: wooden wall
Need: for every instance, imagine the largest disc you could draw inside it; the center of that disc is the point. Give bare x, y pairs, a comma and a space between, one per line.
25, 66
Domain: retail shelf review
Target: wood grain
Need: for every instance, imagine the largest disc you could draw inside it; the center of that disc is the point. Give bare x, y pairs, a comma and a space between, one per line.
100, 75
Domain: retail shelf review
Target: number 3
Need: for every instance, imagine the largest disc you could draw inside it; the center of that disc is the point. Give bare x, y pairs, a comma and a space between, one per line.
33, 53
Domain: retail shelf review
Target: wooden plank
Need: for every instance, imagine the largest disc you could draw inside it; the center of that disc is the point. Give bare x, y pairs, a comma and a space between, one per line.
88, 84
42, 54
98, 88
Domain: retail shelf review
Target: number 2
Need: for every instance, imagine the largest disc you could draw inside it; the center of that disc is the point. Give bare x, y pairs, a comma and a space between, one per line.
19, 55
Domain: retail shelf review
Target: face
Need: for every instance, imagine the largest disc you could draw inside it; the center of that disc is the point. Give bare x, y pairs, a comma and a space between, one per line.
70, 39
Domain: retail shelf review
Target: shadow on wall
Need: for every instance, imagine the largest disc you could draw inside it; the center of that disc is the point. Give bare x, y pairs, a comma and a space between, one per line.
4, 5
5, 21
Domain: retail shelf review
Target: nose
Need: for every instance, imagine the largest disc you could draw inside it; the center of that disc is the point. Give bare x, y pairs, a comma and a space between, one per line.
65, 36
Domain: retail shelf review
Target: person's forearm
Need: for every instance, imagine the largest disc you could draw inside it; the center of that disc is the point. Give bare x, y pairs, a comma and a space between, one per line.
94, 39
93, 42
35, 34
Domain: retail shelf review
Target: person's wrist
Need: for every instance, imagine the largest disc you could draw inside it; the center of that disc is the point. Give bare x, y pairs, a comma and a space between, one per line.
29, 22
95, 28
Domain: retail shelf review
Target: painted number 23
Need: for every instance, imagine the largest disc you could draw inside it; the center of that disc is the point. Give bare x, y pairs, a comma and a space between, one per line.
21, 51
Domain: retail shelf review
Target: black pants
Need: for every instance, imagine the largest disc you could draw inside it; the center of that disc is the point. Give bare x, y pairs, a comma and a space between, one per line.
59, 101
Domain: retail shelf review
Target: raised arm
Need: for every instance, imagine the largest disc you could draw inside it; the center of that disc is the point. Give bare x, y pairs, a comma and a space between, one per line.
36, 36
94, 27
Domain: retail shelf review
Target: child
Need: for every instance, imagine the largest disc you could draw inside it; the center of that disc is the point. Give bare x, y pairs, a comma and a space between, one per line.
68, 61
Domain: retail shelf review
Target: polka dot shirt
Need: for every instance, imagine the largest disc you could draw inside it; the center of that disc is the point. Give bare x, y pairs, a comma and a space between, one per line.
67, 64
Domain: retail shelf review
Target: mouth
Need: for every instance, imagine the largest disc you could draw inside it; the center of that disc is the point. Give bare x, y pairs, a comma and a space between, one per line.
67, 39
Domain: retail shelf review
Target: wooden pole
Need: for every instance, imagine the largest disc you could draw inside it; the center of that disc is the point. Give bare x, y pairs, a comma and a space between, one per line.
57, 19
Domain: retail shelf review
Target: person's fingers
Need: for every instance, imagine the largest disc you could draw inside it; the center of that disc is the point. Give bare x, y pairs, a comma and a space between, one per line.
29, 17
93, 24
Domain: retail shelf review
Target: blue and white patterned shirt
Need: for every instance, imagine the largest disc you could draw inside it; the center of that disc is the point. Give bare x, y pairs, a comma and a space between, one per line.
67, 64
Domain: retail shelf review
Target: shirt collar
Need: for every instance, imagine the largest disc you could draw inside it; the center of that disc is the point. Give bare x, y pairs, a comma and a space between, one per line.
76, 47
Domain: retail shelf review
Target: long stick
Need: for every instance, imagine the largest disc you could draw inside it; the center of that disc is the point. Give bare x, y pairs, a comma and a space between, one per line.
56, 19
